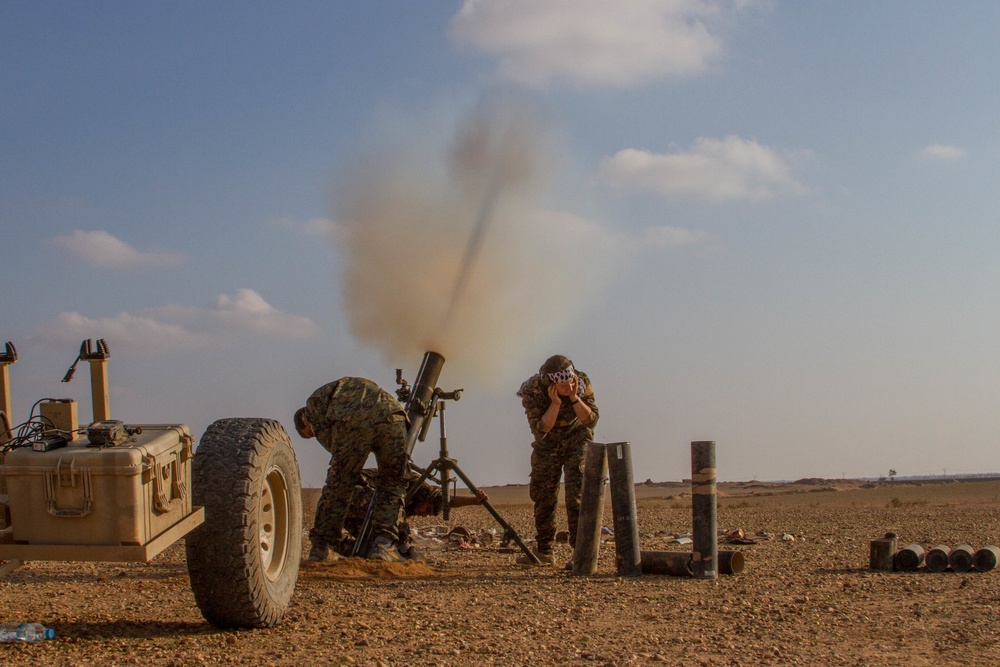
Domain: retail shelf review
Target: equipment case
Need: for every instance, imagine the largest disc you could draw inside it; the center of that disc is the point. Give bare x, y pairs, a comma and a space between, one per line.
115, 496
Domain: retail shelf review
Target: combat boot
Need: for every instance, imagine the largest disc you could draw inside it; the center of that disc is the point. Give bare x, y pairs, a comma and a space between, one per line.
544, 557
385, 549
321, 553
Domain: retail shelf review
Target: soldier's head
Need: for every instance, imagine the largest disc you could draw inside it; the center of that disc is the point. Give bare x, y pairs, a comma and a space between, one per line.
302, 424
558, 370
426, 501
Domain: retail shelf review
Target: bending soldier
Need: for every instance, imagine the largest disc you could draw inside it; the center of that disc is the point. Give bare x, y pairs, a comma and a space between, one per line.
352, 418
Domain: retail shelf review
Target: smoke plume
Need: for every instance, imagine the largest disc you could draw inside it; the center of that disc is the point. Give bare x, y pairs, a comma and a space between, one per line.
447, 248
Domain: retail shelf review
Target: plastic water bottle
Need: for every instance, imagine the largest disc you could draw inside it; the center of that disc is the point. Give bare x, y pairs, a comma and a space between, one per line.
24, 632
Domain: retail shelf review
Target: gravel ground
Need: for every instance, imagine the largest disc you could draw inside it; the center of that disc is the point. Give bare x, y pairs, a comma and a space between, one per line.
811, 600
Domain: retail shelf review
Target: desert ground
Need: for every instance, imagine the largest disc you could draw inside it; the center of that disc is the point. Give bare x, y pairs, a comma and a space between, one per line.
805, 597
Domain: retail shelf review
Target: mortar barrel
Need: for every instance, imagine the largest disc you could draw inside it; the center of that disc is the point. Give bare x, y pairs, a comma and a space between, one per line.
623, 508
731, 562
588, 527
986, 559
960, 558
936, 559
909, 558
704, 535
675, 563
881, 552
422, 396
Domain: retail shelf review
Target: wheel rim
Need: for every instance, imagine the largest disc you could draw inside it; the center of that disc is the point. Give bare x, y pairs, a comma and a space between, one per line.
273, 523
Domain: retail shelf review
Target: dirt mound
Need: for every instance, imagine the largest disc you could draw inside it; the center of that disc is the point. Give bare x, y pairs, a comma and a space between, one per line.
360, 568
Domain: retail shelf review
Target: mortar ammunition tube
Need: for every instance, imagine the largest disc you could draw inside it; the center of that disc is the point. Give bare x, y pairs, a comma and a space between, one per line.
909, 558
986, 559
588, 526
704, 535
960, 558
936, 559
881, 553
420, 406
623, 508
731, 562
678, 563
674, 563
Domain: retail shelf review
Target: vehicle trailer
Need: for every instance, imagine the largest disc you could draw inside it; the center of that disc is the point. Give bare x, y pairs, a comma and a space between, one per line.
117, 491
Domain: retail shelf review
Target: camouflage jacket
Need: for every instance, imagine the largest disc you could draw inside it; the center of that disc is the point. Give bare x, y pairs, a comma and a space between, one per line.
350, 399
535, 399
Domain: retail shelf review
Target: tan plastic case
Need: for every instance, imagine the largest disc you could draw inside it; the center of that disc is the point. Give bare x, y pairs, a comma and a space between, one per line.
125, 495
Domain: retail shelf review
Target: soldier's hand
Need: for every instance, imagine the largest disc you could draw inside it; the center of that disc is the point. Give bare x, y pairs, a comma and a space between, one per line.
482, 496
554, 395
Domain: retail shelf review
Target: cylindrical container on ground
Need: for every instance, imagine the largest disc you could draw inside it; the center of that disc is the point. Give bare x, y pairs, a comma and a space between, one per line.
986, 559
731, 562
909, 558
960, 558
936, 559
704, 536
881, 552
674, 563
623, 507
588, 527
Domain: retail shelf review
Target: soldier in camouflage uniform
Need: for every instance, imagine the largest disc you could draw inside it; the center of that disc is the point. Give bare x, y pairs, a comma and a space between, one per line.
425, 500
559, 404
353, 418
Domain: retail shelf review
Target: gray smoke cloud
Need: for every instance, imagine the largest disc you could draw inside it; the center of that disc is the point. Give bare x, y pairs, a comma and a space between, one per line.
447, 247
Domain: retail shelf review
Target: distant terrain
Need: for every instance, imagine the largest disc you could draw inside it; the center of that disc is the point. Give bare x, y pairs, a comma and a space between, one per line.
805, 597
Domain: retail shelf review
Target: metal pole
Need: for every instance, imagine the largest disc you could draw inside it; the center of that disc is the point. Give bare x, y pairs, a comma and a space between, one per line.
704, 557
623, 507
588, 527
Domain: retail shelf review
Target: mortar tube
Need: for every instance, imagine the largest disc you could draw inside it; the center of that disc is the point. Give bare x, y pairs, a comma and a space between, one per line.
936, 559
588, 526
960, 558
704, 535
986, 559
626, 526
419, 407
909, 558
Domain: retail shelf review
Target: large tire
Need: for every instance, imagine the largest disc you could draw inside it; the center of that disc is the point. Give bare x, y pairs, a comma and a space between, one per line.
244, 560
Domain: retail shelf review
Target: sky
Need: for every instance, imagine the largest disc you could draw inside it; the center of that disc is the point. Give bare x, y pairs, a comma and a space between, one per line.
769, 224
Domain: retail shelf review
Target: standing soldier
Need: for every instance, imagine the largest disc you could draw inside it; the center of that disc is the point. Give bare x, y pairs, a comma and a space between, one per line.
353, 418
559, 404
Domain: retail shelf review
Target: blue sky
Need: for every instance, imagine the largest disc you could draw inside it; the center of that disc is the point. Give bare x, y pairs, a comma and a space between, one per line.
768, 224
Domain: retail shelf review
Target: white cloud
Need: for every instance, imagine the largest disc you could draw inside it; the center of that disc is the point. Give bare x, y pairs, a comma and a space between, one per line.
248, 311
101, 249
942, 152
665, 236
131, 332
713, 170
178, 327
595, 42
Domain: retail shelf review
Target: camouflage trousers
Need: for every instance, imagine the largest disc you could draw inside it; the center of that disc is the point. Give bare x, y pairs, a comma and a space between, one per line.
352, 443
549, 460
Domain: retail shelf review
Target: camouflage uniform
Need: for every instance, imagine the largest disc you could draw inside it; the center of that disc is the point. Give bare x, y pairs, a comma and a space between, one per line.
353, 418
561, 449
363, 491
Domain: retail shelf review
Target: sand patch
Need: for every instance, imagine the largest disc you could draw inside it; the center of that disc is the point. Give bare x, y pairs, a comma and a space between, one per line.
359, 568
